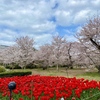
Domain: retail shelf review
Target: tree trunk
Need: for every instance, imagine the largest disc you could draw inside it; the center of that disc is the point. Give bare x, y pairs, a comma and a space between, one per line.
71, 67
70, 57
57, 67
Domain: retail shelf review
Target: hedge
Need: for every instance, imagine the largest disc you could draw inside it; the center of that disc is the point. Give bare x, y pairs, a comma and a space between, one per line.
15, 73
2, 69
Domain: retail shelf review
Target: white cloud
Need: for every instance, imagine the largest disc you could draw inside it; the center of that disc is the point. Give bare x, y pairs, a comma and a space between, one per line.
44, 27
7, 35
96, 2
76, 11
63, 18
70, 36
7, 43
81, 16
35, 17
44, 39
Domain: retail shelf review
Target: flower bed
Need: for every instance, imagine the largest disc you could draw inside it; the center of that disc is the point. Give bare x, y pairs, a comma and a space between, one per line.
50, 88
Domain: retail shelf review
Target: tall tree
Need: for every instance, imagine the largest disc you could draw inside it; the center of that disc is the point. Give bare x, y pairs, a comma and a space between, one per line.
90, 32
22, 53
44, 54
11, 55
58, 44
89, 36
26, 50
70, 56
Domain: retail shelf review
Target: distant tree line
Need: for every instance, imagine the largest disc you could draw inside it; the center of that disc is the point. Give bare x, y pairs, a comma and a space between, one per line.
84, 52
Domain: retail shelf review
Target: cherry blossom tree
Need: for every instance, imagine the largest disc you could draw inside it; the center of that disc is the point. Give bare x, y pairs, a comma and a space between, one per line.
54, 54
1, 56
70, 55
43, 55
11, 56
80, 56
26, 50
59, 49
89, 37
90, 32
22, 53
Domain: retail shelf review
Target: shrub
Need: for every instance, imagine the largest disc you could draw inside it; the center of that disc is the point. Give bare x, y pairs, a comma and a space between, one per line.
31, 66
15, 73
2, 69
98, 67
14, 66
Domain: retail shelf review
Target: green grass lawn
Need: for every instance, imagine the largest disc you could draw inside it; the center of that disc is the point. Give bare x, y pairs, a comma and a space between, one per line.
90, 76
78, 73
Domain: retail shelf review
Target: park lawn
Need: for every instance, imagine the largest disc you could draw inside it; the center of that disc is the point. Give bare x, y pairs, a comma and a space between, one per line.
78, 73
90, 76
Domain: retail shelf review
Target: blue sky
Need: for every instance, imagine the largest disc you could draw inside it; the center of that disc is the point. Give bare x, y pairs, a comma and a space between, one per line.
42, 19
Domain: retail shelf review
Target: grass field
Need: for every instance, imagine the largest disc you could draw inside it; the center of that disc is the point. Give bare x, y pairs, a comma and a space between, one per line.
78, 73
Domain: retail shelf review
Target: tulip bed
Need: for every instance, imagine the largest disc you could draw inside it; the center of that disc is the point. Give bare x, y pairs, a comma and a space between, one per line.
38, 87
